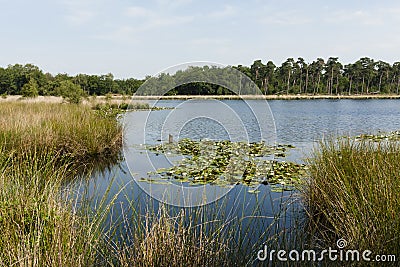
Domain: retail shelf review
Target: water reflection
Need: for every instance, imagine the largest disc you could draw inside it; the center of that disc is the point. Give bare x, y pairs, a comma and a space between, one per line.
300, 123
249, 121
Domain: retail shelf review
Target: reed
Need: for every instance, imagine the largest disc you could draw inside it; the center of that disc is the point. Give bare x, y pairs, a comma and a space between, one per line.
41, 145
354, 193
38, 223
73, 133
149, 233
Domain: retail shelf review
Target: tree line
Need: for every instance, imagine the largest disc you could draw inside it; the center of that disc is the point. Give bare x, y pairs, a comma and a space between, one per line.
29, 80
365, 76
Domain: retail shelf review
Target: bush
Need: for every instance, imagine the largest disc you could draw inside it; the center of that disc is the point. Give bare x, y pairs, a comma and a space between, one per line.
30, 89
71, 92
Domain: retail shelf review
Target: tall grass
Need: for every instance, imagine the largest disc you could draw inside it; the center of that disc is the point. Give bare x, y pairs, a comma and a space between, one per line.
140, 231
354, 193
71, 132
220, 234
164, 240
37, 222
40, 146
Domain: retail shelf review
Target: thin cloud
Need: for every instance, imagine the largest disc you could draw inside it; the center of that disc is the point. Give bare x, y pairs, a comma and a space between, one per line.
79, 12
140, 21
378, 17
362, 17
79, 17
136, 11
291, 17
208, 41
173, 3
150, 19
227, 11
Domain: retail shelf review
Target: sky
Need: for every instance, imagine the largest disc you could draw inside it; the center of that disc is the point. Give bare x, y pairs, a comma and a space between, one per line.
139, 38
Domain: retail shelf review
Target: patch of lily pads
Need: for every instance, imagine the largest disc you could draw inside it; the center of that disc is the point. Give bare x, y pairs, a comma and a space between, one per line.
114, 109
380, 136
226, 163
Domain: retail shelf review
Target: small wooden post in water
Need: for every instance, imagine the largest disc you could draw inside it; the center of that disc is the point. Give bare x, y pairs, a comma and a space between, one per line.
170, 139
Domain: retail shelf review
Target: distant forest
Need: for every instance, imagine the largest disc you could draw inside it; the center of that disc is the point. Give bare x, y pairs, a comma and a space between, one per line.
365, 76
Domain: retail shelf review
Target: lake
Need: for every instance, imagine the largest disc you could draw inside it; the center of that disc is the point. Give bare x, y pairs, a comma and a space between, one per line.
297, 122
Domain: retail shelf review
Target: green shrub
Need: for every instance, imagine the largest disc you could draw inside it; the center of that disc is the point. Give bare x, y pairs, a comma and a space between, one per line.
71, 92
30, 89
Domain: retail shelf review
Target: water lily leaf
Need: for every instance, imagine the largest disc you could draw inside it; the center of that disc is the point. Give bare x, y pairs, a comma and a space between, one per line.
225, 163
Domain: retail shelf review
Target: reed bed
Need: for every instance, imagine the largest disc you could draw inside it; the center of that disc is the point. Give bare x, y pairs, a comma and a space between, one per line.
41, 145
39, 227
213, 235
354, 193
73, 133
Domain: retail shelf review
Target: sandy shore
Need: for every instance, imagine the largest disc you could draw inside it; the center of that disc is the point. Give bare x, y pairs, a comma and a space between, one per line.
59, 99
48, 99
119, 98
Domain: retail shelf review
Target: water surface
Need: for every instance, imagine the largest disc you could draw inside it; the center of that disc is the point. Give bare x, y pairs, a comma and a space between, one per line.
298, 122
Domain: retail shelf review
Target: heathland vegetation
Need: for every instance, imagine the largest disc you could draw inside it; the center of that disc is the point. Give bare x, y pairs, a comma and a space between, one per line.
75, 134
327, 77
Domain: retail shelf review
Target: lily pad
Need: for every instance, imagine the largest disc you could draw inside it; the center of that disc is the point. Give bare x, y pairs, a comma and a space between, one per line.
380, 136
225, 163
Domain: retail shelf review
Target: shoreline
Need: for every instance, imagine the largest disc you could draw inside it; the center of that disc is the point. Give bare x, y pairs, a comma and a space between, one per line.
266, 97
120, 98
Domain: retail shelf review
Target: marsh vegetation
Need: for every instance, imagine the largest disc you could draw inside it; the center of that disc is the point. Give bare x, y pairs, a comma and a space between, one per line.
353, 192
73, 134
42, 146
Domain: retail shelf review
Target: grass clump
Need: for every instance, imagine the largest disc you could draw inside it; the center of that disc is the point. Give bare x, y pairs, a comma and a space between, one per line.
39, 227
353, 192
41, 145
210, 235
163, 239
73, 133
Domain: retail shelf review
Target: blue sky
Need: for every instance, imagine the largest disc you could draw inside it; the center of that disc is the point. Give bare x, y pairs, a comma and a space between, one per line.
136, 38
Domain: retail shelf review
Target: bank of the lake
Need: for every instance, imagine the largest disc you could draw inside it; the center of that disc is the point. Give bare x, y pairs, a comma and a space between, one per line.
266, 97
115, 98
